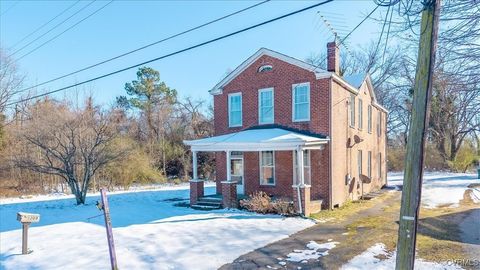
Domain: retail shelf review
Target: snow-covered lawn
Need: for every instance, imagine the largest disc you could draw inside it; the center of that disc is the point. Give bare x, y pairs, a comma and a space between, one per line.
442, 188
149, 232
370, 260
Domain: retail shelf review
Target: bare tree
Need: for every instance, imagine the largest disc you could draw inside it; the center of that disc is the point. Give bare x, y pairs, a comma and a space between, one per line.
68, 144
10, 80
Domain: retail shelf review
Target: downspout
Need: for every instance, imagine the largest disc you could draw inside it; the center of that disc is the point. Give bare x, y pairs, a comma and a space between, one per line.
299, 199
330, 180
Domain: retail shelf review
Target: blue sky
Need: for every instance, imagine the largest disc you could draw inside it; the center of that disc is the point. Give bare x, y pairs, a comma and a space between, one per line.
126, 25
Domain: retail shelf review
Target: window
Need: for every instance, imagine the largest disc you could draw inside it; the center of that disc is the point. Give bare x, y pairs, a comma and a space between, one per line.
235, 110
369, 164
359, 159
301, 102
379, 123
265, 68
379, 161
265, 106
360, 114
307, 171
267, 168
369, 119
352, 110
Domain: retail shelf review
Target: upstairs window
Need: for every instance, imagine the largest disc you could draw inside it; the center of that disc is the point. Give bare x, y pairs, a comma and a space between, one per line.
369, 119
352, 110
301, 102
360, 114
265, 106
235, 110
267, 168
265, 68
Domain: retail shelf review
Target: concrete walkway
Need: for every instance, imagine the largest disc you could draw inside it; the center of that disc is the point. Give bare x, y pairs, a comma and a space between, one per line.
268, 257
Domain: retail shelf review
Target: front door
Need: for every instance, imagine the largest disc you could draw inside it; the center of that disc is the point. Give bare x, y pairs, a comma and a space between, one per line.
236, 165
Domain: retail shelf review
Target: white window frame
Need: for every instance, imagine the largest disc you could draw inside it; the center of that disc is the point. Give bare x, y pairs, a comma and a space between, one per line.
360, 114
229, 109
260, 91
379, 124
293, 101
260, 166
379, 162
295, 166
369, 164
360, 162
352, 110
369, 119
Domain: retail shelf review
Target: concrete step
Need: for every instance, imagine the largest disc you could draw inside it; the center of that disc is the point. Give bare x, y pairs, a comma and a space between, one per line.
205, 207
211, 199
208, 203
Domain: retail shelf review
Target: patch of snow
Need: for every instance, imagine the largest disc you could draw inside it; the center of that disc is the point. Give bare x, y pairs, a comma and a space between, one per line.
475, 195
369, 259
149, 231
282, 263
59, 195
313, 252
440, 188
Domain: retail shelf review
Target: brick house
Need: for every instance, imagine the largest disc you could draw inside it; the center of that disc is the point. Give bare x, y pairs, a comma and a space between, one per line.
293, 130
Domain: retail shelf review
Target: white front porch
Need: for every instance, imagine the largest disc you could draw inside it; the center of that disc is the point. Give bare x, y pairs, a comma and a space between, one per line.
258, 140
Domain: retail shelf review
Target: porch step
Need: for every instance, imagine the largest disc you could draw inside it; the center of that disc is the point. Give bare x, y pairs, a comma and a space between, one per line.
211, 199
208, 203
205, 207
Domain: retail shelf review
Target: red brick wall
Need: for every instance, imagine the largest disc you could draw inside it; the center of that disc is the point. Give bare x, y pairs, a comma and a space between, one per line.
281, 78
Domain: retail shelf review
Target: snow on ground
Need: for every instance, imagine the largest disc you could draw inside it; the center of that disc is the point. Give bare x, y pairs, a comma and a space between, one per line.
149, 233
442, 188
313, 251
370, 260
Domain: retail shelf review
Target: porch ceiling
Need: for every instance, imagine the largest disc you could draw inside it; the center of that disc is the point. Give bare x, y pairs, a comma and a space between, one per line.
259, 139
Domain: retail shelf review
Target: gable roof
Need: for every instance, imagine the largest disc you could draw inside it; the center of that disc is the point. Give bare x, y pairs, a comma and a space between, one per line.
217, 89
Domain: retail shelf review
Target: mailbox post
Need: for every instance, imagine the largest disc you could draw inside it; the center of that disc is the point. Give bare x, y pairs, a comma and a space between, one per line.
26, 219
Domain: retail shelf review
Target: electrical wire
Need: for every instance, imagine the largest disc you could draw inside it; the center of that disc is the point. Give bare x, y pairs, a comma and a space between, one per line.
174, 53
45, 24
146, 46
66, 30
53, 28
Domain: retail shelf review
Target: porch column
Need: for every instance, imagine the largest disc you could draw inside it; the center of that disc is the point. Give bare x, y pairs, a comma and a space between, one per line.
300, 166
195, 166
229, 173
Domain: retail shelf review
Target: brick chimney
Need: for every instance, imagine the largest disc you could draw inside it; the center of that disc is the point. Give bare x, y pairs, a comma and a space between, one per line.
333, 58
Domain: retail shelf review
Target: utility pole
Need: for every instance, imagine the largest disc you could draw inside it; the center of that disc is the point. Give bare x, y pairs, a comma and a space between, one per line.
413, 174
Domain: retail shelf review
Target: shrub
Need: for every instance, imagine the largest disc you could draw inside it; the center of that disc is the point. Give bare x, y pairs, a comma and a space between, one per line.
283, 207
466, 158
260, 202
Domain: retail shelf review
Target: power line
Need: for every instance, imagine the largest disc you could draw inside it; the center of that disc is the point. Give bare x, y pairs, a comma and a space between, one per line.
9, 8
379, 40
66, 30
146, 46
53, 28
174, 53
353, 30
386, 40
45, 24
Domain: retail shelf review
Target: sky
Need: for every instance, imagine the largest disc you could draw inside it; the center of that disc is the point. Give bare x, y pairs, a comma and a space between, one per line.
125, 25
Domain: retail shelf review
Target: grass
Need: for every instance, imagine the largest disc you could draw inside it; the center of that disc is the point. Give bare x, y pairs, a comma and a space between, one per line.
438, 238
348, 209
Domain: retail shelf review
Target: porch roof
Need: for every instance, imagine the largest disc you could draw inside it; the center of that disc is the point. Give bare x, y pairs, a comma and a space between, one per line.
260, 139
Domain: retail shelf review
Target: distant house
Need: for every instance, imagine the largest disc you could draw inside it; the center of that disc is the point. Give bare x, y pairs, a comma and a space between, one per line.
293, 130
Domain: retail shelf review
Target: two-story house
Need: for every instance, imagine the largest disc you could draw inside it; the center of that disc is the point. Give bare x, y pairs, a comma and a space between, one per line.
293, 130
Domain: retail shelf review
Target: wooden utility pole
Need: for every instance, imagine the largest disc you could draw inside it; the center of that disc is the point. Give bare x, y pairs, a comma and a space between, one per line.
413, 174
